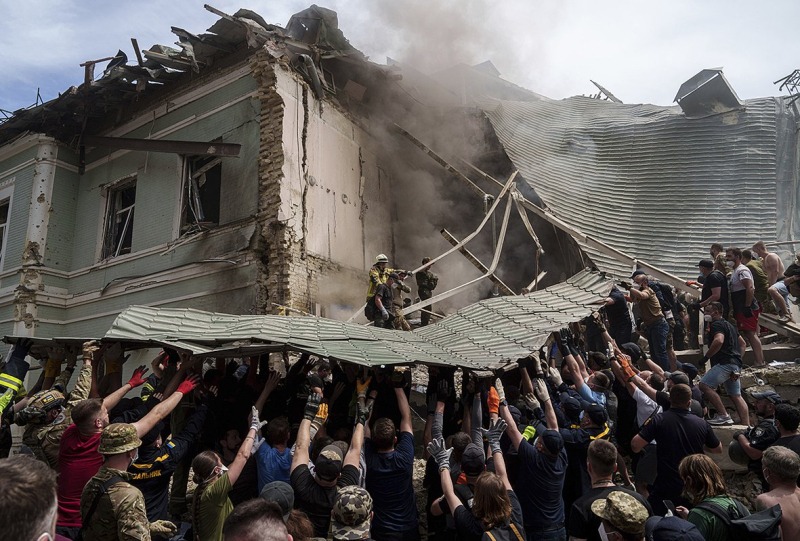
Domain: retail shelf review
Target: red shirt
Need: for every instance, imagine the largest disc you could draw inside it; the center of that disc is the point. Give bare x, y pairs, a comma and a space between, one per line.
78, 461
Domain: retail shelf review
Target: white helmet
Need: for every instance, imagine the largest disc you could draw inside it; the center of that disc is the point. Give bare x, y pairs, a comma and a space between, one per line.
381, 258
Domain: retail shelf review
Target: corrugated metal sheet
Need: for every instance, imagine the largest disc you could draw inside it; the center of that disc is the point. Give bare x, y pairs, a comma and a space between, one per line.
648, 181
487, 334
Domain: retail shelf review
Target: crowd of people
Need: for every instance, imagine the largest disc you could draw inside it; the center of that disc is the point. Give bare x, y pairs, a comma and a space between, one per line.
590, 438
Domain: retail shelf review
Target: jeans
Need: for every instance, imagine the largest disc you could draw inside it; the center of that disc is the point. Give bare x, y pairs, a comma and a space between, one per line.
556, 534
657, 339
621, 332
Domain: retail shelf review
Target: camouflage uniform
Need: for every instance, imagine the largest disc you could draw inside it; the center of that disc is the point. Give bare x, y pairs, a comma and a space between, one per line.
399, 322
120, 512
426, 283
44, 440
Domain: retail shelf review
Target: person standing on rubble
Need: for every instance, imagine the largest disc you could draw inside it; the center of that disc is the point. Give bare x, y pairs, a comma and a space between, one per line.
743, 301
656, 326
760, 281
399, 322
382, 302
718, 256
377, 275
778, 290
426, 283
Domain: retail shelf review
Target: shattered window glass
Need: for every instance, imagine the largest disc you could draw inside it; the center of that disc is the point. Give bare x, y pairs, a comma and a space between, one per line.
119, 219
201, 192
4, 205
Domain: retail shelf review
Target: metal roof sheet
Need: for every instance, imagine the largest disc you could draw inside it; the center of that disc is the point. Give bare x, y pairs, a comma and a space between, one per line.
648, 181
487, 334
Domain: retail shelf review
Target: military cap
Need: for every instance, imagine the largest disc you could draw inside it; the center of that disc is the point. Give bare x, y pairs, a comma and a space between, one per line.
350, 514
118, 438
623, 511
769, 394
46, 400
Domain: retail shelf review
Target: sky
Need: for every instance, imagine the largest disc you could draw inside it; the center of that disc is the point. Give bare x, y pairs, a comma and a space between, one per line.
640, 51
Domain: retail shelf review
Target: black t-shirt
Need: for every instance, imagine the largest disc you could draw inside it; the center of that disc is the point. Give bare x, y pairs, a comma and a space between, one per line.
539, 485
315, 500
384, 293
618, 313
470, 528
762, 436
583, 523
729, 352
713, 280
678, 433
791, 442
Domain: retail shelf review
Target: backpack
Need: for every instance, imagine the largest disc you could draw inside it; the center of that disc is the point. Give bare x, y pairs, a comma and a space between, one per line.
761, 526
504, 533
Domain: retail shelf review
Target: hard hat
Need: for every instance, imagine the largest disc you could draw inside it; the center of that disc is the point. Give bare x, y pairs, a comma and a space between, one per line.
381, 258
737, 454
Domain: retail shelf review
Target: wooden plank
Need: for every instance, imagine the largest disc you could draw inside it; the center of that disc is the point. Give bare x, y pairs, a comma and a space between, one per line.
790, 330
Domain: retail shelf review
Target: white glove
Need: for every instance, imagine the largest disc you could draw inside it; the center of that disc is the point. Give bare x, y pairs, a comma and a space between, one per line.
530, 401
498, 385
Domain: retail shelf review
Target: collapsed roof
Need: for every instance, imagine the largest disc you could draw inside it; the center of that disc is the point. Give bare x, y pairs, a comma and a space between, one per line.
485, 335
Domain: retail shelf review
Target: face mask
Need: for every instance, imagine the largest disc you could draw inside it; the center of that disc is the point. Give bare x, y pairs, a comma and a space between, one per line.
636, 286
729, 264
136, 456
707, 318
45, 537
394, 286
602, 532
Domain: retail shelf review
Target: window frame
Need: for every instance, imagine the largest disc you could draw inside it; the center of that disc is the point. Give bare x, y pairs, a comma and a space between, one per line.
111, 192
192, 214
6, 194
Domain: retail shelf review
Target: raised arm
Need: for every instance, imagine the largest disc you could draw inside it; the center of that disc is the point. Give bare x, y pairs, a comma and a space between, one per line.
496, 430
441, 456
511, 429
146, 423
405, 409
137, 379
246, 448
353, 456
269, 387
304, 432
543, 394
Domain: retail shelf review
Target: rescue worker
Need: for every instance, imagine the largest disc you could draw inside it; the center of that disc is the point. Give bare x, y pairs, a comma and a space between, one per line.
49, 413
378, 274
755, 440
426, 283
112, 508
382, 302
13, 373
398, 288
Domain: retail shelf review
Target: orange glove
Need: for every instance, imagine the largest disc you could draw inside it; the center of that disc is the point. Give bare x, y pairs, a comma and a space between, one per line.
493, 401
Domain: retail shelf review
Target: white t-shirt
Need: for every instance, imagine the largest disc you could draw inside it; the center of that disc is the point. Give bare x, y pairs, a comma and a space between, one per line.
645, 406
740, 273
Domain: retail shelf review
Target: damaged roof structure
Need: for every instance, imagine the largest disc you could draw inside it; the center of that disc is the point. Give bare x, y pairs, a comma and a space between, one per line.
257, 169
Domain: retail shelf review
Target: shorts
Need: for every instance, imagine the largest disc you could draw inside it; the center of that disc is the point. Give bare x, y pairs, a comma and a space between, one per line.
744, 323
721, 374
781, 287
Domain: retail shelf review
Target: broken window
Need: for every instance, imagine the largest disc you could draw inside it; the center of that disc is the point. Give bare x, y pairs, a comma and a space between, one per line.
121, 200
201, 192
4, 207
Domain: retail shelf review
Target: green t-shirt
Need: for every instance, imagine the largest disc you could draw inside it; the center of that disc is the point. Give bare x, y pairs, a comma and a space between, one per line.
213, 509
711, 527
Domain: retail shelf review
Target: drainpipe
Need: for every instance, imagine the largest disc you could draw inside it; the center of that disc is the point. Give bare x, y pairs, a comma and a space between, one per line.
44, 172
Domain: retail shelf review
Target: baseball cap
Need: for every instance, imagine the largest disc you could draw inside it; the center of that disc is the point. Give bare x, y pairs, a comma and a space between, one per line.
394, 276
281, 493
707, 263
623, 511
572, 407
472, 460
350, 514
770, 395
671, 529
552, 441
689, 369
678, 377
637, 272
634, 351
597, 414
328, 465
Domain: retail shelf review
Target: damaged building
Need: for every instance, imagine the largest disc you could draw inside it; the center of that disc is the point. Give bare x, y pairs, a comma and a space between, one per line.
258, 169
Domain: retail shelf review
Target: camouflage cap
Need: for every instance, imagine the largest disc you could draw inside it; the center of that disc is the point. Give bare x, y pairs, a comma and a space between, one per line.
118, 438
351, 513
46, 400
623, 511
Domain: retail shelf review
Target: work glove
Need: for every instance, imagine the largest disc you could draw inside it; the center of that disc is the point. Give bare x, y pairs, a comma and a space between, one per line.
188, 385
363, 412
501, 392
563, 344
439, 453
255, 423
384, 314
492, 435
362, 386
529, 433
320, 418
5, 400
554, 376
531, 401
431, 403
540, 387
241, 372
493, 401
398, 379
442, 391
163, 528
138, 377
312, 405
89, 348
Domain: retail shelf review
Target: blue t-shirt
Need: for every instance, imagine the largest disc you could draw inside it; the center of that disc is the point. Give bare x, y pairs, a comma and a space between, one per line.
592, 396
389, 481
273, 465
540, 482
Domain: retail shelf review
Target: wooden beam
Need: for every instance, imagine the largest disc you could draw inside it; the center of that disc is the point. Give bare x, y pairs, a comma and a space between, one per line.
160, 145
478, 265
790, 330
